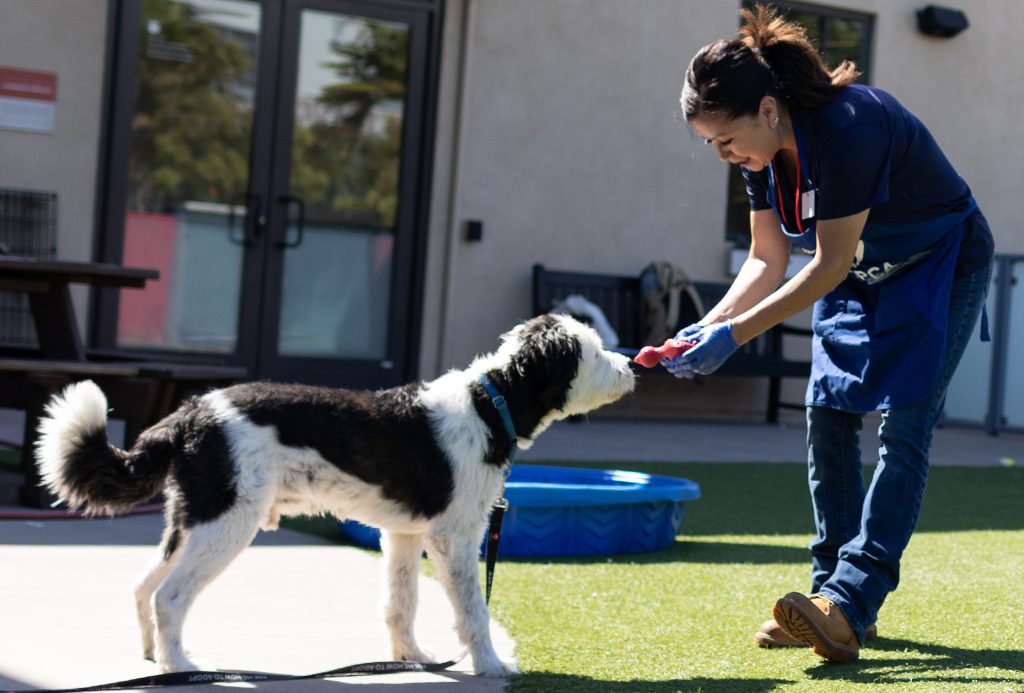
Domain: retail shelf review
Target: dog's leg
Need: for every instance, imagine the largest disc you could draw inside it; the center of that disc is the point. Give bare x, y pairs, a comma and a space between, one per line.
402, 566
207, 550
456, 558
146, 586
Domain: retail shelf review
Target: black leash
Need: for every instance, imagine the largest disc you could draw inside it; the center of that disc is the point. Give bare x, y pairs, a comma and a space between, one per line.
192, 678
500, 505
493, 536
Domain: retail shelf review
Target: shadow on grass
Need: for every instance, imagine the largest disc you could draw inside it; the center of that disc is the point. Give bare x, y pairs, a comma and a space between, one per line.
690, 552
924, 662
566, 683
731, 552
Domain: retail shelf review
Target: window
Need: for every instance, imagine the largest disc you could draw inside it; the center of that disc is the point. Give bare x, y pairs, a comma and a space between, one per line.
840, 35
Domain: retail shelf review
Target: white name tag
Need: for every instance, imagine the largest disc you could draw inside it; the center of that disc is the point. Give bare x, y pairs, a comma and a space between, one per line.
807, 205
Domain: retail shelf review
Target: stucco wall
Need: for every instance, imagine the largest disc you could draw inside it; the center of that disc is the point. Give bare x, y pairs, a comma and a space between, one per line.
570, 151
968, 91
559, 130
67, 37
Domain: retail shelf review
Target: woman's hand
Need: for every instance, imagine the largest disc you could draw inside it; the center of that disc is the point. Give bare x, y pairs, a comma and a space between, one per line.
715, 344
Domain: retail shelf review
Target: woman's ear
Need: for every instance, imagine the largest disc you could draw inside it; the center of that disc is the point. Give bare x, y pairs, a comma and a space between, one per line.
769, 110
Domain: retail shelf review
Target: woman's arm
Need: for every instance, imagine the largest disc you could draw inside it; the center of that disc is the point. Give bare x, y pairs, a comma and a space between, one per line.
836, 247
760, 273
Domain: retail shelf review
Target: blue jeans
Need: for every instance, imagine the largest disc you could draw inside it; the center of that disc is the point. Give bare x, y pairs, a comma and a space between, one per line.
862, 533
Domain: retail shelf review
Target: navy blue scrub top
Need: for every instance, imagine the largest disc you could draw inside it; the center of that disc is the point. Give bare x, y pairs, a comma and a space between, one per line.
879, 336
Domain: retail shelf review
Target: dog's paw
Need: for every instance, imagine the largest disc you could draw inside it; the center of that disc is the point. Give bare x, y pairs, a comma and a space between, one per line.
177, 662
173, 667
494, 668
412, 654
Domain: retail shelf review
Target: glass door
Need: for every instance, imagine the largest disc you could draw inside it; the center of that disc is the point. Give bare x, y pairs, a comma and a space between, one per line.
188, 173
345, 177
268, 158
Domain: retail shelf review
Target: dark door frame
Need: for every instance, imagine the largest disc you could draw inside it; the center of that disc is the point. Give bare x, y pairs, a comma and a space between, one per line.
366, 372
408, 275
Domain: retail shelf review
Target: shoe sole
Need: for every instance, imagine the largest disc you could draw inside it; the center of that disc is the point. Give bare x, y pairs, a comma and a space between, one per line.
795, 621
770, 643
763, 640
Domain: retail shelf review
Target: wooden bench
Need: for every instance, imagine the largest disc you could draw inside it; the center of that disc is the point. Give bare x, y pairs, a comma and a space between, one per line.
621, 300
139, 392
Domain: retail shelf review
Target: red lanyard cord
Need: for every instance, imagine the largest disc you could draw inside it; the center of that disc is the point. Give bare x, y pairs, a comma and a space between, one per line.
796, 200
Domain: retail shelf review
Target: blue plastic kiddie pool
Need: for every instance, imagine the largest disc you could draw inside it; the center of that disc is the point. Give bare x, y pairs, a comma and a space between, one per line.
564, 511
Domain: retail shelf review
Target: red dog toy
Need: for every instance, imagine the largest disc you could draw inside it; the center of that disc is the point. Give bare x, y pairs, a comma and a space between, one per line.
650, 356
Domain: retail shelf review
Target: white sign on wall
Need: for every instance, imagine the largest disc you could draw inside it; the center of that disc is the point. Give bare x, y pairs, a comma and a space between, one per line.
28, 100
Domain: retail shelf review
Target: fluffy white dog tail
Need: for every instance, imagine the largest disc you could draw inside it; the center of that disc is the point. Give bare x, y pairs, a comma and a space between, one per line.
80, 466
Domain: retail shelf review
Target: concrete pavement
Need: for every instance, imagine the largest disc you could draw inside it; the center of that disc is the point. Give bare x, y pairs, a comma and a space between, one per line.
290, 604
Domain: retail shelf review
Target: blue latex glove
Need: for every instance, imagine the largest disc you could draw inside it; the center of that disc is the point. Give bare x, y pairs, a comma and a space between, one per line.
689, 332
715, 344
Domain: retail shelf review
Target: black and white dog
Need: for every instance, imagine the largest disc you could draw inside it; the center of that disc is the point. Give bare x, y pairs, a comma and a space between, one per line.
422, 462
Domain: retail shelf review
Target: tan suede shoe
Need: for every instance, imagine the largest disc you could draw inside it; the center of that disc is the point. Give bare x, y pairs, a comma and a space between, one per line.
770, 635
819, 623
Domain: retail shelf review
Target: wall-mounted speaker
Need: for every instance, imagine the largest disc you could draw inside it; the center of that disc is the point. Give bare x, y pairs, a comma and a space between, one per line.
944, 22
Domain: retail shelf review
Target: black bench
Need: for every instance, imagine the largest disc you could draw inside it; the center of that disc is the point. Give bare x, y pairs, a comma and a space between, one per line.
139, 392
620, 299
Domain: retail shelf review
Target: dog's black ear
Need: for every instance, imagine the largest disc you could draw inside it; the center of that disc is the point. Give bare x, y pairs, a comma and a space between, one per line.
543, 368
513, 334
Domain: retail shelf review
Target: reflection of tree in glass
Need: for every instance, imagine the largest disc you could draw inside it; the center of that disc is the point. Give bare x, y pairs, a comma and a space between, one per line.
346, 163
191, 126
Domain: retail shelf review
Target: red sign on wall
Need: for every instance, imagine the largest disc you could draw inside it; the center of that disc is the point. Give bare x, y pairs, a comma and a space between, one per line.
25, 84
28, 100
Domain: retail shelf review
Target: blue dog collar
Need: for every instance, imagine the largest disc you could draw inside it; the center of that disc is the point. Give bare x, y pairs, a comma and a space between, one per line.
502, 406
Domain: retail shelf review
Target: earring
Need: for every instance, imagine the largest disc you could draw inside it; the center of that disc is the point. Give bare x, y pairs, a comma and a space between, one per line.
776, 120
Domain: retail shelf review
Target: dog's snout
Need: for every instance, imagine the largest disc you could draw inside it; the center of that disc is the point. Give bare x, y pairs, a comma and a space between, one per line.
624, 369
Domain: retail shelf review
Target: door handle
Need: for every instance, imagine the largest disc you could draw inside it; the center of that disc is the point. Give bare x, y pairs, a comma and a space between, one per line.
255, 222
288, 201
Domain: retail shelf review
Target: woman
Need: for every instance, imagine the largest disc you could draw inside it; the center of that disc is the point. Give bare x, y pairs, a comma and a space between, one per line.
901, 265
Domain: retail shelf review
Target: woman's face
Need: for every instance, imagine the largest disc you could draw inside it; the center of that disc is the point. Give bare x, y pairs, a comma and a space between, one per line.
749, 141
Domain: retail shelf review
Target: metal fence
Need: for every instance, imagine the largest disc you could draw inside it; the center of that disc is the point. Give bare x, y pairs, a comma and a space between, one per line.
988, 388
28, 226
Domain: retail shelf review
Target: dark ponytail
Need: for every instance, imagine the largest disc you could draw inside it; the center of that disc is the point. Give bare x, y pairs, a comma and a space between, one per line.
771, 57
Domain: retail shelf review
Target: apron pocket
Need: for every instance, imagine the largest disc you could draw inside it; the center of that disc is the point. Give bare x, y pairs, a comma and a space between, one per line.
914, 297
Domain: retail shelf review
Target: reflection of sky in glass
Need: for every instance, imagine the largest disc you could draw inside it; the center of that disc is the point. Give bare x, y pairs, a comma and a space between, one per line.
319, 31
238, 16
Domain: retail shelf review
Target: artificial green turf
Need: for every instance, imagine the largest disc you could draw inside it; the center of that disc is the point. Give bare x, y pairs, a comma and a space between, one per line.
682, 619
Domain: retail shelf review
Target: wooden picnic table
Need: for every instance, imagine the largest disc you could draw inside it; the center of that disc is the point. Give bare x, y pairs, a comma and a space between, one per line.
138, 389
47, 283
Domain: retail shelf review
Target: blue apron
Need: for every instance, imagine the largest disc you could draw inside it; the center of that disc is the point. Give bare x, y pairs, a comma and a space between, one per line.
881, 345
879, 337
